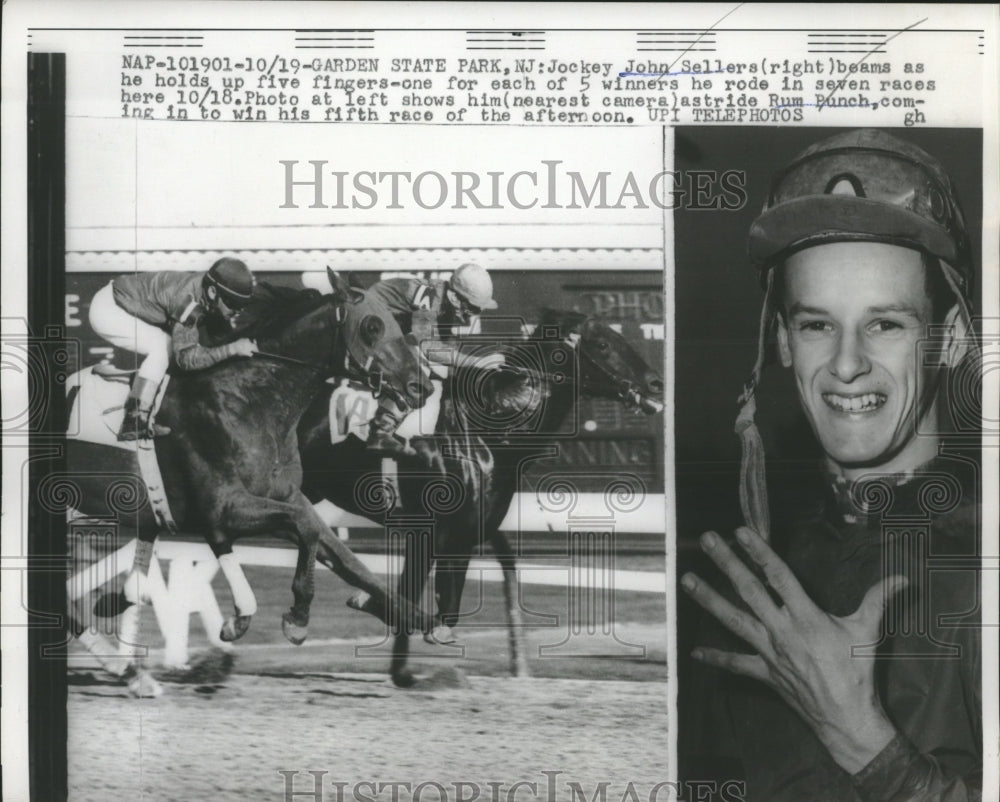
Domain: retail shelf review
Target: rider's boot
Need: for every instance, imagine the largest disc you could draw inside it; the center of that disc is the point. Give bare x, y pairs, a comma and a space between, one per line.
382, 437
138, 422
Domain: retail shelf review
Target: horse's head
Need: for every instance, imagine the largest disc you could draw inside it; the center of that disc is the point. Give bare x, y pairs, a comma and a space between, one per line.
347, 334
609, 365
376, 348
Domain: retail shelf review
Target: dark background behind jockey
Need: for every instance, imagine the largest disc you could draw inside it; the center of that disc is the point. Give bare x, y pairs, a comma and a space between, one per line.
610, 440
718, 301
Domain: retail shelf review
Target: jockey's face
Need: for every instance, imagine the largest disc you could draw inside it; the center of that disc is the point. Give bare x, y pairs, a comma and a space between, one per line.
461, 311
223, 310
853, 319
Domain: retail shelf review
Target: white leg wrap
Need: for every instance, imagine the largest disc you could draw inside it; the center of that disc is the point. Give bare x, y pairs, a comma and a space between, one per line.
243, 597
136, 588
128, 633
99, 647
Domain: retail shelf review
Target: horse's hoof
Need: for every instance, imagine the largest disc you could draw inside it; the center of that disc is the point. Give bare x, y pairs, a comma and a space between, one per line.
235, 627
141, 684
294, 633
359, 601
403, 678
111, 605
441, 635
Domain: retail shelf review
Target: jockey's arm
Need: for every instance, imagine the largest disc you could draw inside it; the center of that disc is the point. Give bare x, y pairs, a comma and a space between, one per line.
438, 352
190, 354
434, 349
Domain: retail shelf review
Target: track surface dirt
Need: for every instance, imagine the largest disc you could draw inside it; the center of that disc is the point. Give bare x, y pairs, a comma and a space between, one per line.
229, 741
594, 711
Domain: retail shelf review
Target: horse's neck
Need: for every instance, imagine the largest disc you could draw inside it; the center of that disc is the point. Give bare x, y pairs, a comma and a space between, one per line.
285, 388
561, 398
308, 340
296, 360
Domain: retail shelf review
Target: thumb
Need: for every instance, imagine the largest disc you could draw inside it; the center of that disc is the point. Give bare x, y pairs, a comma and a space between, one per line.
874, 603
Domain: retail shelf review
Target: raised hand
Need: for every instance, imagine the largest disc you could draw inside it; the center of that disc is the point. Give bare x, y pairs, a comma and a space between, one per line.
811, 658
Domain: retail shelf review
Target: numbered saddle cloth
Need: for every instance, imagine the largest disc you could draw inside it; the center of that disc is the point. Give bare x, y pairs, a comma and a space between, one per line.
352, 408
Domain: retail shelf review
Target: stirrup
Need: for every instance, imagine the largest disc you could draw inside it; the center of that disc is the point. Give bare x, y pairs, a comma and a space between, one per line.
136, 425
157, 430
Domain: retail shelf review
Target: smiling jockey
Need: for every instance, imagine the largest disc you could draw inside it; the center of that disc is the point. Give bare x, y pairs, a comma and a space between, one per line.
433, 312
865, 659
156, 315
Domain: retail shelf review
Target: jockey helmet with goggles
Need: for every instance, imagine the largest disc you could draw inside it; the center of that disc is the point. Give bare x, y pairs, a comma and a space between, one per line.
232, 281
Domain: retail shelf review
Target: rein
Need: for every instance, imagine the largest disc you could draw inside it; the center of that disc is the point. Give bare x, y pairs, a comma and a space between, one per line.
339, 362
373, 380
290, 359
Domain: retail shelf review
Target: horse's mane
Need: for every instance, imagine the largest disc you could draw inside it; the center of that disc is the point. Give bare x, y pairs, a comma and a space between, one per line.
273, 308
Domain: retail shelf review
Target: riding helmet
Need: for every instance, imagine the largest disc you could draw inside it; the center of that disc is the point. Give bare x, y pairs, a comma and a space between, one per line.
864, 186
233, 281
474, 285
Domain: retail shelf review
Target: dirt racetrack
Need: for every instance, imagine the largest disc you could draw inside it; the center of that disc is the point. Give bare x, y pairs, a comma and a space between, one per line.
597, 714
229, 740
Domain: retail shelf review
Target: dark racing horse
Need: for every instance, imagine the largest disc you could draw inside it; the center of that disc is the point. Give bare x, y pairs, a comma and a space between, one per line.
231, 467
465, 476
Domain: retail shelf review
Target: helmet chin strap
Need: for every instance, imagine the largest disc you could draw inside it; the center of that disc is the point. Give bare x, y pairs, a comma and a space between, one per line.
753, 478
968, 336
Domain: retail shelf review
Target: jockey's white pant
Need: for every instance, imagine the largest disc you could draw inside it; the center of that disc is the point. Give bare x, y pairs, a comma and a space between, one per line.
118, 327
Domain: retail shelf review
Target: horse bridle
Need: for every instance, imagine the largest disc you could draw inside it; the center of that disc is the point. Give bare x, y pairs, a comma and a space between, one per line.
373, 379
626, 390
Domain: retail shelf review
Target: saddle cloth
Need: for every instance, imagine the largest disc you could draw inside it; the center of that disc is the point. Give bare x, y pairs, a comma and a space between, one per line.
352, 408
98, 405
97, 409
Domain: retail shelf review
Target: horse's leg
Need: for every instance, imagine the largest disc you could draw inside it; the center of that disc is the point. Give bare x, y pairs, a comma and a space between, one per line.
412, 581
244, 600
245, 515
449, 580
515, 632
298, 521
137, 679
94, 642
132, 592
294, 623
373, 596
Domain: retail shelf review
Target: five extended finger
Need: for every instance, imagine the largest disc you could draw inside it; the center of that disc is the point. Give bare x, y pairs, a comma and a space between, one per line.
737, 621
779, 575
748, 586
